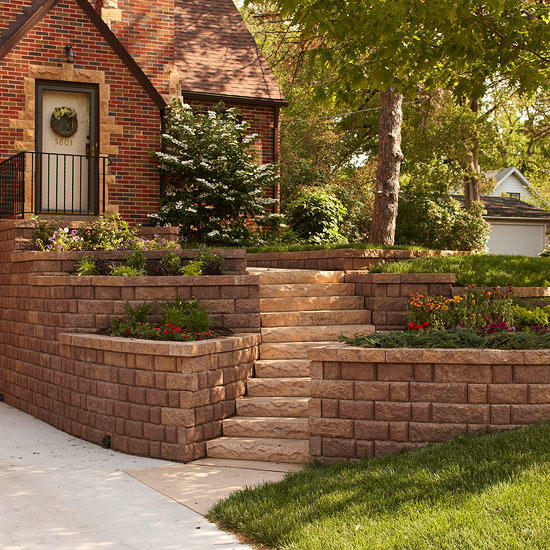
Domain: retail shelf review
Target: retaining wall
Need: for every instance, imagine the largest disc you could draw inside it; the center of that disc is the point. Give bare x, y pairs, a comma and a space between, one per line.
345, 259
157, 399
368, 402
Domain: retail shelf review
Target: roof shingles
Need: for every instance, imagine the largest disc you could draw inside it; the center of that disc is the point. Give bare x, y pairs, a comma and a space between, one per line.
216, 54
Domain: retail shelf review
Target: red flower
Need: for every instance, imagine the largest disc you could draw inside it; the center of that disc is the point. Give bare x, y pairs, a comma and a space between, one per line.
426, 324
128, 331
411, 325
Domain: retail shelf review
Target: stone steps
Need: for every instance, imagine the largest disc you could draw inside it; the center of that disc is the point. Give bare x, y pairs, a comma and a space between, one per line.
273, 387
294, 451
296, 407
266, 427
307, 290
313, 318
312, 333
289, 350
284, 368
300, 310
300, 304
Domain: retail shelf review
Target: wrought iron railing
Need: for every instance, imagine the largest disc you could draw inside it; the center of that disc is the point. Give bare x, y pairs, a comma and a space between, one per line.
52, 183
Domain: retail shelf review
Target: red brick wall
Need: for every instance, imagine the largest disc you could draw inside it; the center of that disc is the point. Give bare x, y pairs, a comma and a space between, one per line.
367, 402
147, 31
136, 192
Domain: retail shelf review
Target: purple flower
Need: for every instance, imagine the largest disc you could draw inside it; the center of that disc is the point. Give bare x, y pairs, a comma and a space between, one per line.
74, 232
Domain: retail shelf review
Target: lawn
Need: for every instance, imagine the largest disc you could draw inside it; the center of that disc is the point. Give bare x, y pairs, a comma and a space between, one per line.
489, 492
481, 270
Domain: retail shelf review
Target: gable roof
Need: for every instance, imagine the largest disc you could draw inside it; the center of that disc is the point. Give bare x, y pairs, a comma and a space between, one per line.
503, 173
38, 10
216, 54
508, 208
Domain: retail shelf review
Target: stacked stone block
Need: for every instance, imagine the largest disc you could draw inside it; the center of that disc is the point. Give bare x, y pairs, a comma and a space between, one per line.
368, 402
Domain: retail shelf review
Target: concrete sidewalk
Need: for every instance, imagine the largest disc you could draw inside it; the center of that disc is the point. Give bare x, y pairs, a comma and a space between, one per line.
60, 493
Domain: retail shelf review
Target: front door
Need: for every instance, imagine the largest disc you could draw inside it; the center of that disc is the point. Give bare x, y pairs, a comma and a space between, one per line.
67, 145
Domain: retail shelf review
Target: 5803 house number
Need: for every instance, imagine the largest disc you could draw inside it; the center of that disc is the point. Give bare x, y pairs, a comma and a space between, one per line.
64, 142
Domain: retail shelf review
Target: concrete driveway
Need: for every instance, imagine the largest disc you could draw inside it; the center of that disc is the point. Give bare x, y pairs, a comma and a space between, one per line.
60, 493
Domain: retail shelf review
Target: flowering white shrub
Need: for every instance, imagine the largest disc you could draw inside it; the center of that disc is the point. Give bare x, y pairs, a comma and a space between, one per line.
216, 186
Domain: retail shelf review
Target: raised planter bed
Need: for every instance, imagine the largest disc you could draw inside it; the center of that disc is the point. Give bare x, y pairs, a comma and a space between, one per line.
344, 259
367, 402
157, 399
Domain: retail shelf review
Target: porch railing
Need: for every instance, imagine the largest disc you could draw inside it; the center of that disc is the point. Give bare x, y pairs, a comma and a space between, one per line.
52, 183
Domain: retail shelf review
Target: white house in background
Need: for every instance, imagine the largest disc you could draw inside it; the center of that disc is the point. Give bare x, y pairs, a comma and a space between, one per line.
510, 182
517, 227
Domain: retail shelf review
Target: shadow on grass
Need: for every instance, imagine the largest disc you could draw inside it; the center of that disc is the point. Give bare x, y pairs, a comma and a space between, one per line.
436, 477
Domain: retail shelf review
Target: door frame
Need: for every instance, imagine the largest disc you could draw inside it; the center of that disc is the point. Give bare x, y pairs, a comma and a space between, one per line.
93, 163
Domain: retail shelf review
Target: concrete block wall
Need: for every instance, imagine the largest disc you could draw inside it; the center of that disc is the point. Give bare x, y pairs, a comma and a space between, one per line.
157, 399
368, 402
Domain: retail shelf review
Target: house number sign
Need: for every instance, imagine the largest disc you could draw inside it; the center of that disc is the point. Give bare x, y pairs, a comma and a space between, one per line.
64, 122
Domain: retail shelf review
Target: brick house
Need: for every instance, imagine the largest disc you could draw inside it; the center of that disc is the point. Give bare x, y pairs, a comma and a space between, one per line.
85, 87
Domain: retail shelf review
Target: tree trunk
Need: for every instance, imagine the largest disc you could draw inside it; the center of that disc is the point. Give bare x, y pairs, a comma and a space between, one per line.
390, 157
472, 191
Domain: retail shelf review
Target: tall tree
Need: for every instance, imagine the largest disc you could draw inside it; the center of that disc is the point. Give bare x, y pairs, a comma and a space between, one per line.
412, 46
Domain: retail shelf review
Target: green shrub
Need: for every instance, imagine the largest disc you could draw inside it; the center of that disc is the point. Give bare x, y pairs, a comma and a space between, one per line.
86, 266
316, 216
525, 318
137, 261
171, 263
439, 222
131, 320
187, 314
192, 269
184, 321
453, 339
212, 264
125, 271
216, 185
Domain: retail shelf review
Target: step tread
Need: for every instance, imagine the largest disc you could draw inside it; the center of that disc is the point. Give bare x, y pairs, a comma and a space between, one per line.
263, 449
275, 406
272, 368
315, 317
307, 290
289, 350
279, 387
285, 276
266, 427
312, 333
310, 303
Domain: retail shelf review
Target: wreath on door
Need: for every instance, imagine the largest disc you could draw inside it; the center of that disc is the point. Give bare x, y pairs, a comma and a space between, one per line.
64, 121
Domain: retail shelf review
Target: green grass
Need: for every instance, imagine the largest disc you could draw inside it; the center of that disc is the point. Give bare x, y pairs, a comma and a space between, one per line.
489, 492
328, 246
481, 269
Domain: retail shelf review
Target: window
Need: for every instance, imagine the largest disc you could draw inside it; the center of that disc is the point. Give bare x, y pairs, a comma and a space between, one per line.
516, 196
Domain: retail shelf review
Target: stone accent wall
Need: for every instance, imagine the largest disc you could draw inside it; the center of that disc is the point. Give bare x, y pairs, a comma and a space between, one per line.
157, 399
339, 259
387, 294
368, 402
129, 120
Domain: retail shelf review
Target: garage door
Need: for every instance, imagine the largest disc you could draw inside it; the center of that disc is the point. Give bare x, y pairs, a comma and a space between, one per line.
521, 240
